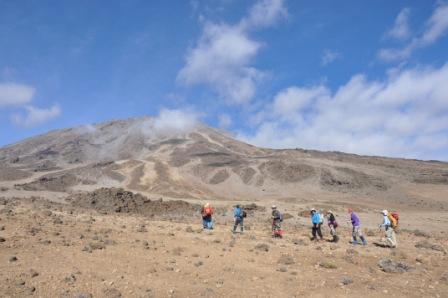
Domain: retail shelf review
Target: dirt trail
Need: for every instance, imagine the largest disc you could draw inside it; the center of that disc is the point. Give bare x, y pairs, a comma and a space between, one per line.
53, 250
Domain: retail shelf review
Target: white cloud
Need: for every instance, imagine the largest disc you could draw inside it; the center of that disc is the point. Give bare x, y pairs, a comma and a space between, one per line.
435, 28
221, 58
405, 115
173, 121
35, 116
329, 56
401, 29
265, 13
12, 94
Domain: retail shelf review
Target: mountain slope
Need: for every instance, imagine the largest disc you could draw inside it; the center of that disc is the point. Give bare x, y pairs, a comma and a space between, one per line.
201, 162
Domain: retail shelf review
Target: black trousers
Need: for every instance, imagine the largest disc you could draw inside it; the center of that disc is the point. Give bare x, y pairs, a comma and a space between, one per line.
317, 230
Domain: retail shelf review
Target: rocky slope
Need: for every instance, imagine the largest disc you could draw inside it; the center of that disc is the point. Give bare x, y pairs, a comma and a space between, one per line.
201, 162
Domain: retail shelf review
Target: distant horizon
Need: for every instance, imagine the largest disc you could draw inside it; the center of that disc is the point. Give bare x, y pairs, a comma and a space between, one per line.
366, 78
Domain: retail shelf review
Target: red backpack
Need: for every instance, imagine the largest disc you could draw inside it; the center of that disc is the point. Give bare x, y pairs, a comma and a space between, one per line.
395, 215
208, 211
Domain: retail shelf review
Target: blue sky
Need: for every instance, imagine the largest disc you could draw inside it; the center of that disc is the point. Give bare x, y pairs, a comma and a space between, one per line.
367, 77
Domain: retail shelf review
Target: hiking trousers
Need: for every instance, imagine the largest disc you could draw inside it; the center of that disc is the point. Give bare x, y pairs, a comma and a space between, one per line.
391, 238
238, 221
356, 232
316, 230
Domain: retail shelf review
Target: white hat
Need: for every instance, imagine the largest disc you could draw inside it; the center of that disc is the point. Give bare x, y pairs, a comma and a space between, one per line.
329, 211
313, 209
384, 212
274, 207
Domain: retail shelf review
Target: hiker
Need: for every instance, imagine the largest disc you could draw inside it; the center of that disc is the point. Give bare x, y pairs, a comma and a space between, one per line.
316, 220
238, 215
332, 224
207, 212
277, 219
356, 231
389, 224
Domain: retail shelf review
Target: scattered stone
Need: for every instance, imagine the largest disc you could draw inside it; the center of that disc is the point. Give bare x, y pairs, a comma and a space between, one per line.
112, 293
83, 295
45, 242
328, 265
47, 212
20, 282
444, 278
189, 229
351, 251
286, 260
91, 246
13, 259
390, 266
427, 245
33, 273
420, 233
31, 290
371, 233
2, 228
2, 239
232, 243
71, 279
58, 221
282, 269
346, 281
300, 242
216, 241
178, 251
199, 263
262, 247
141, 228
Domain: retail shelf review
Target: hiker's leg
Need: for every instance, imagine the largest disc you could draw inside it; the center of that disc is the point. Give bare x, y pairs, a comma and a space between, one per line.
319, 230
314, 231
242, 225
204, 223
235, 224
354, 234
394, 238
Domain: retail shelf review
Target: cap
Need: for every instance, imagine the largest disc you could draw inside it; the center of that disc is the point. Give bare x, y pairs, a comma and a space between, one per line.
274, 207
384, 212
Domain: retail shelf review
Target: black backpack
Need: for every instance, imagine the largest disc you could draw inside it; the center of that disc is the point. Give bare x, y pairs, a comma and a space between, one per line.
244, 214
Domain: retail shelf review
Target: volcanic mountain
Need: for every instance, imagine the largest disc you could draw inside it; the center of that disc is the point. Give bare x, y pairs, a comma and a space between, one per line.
201, 162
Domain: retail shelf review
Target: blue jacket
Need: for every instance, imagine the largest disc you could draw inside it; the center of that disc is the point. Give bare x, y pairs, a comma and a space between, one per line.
237, 212
386, 222
315, 218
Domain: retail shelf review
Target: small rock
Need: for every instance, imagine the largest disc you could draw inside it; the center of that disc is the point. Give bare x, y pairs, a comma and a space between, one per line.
283, 269
33, 273
286, 260
346, 281
328, 265
13, 259
390, 266
20, 282
112, 293
83, 295
262, 247
71, 279
189, 229
199, 263
2, 239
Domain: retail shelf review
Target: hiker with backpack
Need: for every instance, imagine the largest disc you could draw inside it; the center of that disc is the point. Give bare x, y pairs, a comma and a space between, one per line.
316, 220
207, 220
238, 215
277, 219
356, 230
332, 224
389, 224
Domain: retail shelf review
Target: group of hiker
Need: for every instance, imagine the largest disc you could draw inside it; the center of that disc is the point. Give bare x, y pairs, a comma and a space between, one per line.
389, 224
